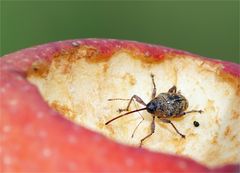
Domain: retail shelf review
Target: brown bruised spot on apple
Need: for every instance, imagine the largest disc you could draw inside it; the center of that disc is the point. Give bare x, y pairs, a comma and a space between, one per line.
79, 83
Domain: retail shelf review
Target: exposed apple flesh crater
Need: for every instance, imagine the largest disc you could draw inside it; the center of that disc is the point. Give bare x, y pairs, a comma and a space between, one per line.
79, 86
78, 81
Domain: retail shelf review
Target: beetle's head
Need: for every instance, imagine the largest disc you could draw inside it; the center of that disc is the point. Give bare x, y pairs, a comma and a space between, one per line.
151, 107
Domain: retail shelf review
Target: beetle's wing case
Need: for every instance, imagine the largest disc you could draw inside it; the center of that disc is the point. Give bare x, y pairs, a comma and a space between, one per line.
172, 104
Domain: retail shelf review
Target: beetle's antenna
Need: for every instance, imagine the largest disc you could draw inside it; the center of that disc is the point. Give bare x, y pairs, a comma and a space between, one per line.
137, 110
138, 123
137, 127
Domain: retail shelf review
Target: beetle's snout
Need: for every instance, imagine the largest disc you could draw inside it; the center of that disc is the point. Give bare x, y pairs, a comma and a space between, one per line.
151, 107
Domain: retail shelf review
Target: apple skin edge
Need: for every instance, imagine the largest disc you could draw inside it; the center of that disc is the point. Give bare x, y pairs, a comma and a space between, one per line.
36, 138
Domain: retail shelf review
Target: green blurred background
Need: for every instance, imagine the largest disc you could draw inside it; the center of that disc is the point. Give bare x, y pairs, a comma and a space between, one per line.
208, 28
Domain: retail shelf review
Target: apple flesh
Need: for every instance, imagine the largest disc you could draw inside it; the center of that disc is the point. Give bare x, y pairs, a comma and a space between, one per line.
54, 108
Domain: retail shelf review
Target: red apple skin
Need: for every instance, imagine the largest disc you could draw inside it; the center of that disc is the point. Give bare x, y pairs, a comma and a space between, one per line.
34, 138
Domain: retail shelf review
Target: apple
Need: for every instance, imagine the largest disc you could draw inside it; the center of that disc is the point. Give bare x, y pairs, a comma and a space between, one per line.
54, 106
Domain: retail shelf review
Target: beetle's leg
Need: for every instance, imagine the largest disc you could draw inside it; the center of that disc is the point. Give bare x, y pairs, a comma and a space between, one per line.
168, 121
152, 131
154, 87
184, 113
137, 98
173, 89
117, 99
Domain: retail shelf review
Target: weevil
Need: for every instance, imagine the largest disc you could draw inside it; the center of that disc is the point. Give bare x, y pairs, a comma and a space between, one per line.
164, 106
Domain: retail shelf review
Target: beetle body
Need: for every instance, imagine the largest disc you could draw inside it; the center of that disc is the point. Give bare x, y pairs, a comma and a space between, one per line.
168, 105
164, 106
